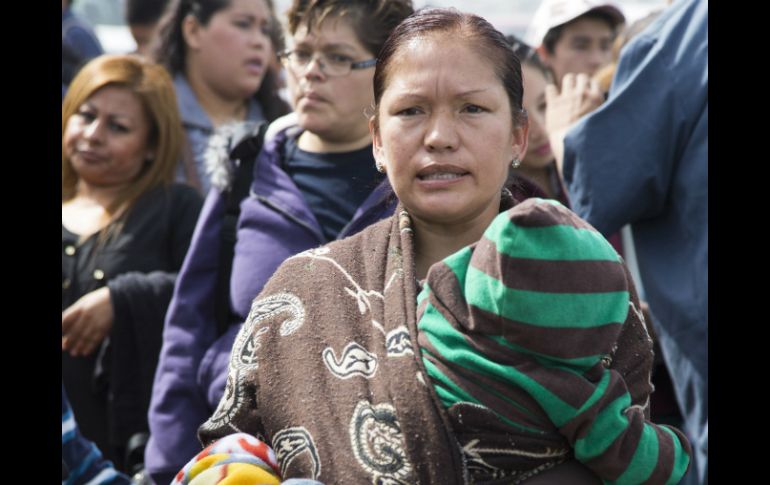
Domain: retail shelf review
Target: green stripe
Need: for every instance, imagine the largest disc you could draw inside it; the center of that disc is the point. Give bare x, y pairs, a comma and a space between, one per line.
557, 242
681, 459
606, 428
436, 318
645, 458
577, 365
450, 394
423, 294
452, 346
459, 263
554, 310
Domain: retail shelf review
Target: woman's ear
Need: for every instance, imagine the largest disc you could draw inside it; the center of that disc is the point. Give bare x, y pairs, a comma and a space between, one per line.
520, 140
379, 155
191, 30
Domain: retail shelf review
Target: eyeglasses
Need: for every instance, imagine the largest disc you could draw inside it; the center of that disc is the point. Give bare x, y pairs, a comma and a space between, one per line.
330, 64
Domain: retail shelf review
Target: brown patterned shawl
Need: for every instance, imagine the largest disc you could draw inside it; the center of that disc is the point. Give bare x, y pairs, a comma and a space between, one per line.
326, 369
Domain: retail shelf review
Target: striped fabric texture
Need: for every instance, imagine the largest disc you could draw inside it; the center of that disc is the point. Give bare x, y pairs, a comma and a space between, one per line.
81, 458
524, 323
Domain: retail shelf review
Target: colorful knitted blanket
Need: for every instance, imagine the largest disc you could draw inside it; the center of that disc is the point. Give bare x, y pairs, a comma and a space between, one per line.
523, 323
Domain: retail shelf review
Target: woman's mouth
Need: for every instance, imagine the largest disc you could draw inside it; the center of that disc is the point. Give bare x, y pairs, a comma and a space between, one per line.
543, 150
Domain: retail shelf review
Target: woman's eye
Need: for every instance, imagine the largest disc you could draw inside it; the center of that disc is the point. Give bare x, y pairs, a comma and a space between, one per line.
243, 24
472, 108
86, 115
409, 112
339, 59
117, 127
302, 56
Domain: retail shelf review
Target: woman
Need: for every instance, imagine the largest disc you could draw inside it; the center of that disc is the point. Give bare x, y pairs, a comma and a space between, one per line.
314, 181
125, 231
537, 175
327, 368
219, 53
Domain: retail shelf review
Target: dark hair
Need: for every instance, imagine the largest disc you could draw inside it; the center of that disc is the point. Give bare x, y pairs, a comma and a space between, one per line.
71, 62
171, 50
479, 35
144, 12
527, 55
552, 36
372, 20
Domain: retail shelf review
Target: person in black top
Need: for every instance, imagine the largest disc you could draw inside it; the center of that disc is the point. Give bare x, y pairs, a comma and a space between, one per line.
125, 232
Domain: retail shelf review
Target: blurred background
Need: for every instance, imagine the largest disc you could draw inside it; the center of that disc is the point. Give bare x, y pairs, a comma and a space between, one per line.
508, 16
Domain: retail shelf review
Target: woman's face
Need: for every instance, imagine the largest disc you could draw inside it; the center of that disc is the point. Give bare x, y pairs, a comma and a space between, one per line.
232, 52
446, 134
539, 154
107, 138
331, 107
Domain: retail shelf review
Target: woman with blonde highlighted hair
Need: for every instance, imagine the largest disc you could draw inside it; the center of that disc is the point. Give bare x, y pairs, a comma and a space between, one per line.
125, 231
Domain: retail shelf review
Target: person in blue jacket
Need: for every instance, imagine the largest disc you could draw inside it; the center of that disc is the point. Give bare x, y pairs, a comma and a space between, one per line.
642, 158
82, 461
315, 181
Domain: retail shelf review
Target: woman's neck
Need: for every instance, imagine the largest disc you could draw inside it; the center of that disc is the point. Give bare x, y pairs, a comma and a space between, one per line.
219, 108
88, 212
104, 196
434, 242
311, 142
541, 177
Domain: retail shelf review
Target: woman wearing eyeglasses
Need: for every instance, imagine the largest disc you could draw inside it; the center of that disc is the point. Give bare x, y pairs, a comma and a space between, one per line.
315, 181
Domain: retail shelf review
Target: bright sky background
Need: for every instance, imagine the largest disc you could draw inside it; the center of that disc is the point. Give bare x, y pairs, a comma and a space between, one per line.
513, 16
509, 16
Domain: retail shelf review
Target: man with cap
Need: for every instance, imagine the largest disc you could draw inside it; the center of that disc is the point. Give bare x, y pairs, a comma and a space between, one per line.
574, 36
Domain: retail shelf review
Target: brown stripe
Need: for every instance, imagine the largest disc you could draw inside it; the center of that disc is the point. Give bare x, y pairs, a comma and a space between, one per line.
549, 276
570, 388
470, 382
530, 213
560, 343
581, 424
615, 460
446, 295
665, 464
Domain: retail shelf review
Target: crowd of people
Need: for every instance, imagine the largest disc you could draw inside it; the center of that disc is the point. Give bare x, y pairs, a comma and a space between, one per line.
385, 245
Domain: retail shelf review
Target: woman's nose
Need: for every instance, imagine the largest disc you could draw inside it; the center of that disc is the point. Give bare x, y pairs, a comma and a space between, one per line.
93, 130
442, 132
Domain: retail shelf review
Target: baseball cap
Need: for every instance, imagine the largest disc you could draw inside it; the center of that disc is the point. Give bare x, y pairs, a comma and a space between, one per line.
552, 13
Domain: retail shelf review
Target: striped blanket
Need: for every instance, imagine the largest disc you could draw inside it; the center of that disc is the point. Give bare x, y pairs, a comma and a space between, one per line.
523, 323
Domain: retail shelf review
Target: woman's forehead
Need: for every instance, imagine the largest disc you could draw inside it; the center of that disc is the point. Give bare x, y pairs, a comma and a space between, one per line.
426, 60
331, 30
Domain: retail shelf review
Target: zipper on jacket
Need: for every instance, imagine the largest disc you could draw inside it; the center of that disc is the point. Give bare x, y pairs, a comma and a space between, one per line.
282, 210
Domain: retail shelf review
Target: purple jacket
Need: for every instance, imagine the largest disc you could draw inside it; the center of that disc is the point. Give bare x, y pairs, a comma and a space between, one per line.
275, 223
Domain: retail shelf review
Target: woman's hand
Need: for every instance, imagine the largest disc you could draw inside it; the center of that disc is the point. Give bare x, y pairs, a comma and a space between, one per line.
579, 96
86, 322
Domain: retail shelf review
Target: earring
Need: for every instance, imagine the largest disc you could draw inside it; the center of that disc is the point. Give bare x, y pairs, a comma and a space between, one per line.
380, 166
515, 163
